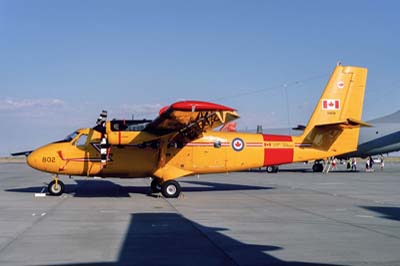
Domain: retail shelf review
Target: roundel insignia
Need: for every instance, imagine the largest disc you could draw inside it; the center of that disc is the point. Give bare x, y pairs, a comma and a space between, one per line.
340, 84
237, 144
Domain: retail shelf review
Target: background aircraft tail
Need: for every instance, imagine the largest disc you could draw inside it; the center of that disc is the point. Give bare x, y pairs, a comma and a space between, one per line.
335, 123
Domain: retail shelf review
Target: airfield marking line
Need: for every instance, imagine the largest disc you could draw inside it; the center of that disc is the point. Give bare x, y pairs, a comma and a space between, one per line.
40, 218
359, 226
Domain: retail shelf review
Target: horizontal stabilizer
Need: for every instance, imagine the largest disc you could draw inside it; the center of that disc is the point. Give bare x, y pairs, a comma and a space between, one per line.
349, 122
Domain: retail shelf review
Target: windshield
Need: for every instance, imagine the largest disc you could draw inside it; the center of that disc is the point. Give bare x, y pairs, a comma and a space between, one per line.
70, 136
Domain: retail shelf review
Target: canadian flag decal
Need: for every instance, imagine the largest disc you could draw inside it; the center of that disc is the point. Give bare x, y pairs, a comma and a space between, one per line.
330, 104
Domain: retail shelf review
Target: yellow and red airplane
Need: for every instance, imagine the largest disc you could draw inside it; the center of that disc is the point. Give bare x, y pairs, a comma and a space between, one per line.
181, 142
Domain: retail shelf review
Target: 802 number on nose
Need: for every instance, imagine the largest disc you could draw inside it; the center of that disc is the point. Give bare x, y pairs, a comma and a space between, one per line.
48, 159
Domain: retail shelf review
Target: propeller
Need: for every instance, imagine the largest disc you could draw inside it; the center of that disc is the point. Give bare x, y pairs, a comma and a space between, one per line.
101, 127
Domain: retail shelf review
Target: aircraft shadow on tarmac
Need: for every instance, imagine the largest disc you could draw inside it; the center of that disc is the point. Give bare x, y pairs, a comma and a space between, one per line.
391, 213
171, 239
106, 188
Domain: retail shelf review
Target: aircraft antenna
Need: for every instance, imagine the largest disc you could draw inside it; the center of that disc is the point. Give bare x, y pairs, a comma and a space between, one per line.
287, 106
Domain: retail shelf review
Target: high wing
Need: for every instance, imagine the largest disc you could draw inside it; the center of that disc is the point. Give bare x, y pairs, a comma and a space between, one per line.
190, 118
182, 121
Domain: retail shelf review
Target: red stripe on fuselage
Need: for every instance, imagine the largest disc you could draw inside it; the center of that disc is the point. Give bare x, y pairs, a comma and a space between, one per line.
268, 137
276, 156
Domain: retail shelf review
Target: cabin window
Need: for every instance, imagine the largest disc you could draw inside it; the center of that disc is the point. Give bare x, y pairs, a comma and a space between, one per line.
81, 141
129, 125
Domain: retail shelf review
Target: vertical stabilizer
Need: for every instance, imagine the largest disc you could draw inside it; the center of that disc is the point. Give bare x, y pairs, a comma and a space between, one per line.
342, 98
335, 122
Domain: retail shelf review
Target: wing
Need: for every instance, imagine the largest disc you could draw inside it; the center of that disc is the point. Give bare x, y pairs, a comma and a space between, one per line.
190, 119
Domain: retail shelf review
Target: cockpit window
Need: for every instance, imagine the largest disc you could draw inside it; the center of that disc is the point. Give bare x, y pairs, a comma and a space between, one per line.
81, 141
129, 125
71, 136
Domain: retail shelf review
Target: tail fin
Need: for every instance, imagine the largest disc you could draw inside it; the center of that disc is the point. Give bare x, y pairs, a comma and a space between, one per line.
335, 122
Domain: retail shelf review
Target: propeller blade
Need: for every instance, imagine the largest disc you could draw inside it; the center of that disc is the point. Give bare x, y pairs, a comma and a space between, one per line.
101, 122
104, 146
104, 150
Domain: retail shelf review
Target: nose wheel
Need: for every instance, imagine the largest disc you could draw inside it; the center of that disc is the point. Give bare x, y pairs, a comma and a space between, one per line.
56, 187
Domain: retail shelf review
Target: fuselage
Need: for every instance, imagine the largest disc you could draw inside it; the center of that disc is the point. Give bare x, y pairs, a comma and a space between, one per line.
211, 153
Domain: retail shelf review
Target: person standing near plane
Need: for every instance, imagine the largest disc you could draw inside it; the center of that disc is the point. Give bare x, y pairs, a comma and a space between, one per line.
353, 164
371, 164
382, 163
334, 163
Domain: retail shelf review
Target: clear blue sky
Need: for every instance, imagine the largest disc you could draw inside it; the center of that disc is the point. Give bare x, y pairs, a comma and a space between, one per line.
62, 62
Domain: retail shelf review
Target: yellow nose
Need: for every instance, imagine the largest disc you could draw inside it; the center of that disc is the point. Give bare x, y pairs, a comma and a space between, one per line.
34, 159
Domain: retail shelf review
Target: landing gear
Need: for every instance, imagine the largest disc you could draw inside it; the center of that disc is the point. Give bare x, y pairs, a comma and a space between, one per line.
170, 189
318, 167
56, 187
272, 169
155, 186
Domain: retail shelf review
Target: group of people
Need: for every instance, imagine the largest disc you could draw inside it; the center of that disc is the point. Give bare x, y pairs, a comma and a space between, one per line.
352, 164
369, 164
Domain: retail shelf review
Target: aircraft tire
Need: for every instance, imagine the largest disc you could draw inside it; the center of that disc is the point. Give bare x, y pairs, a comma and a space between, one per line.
56, 191
272, 169
317, 167
155, 186
170, 189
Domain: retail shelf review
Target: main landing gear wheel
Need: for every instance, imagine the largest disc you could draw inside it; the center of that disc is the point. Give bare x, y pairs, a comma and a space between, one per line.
155, 186
318, 167
170, 189
272, 169
56, 188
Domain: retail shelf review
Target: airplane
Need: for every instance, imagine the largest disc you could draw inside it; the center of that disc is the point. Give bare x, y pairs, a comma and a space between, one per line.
382, 137
181, 140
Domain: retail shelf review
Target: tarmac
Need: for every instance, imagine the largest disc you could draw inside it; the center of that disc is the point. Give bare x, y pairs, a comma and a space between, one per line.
294, 217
